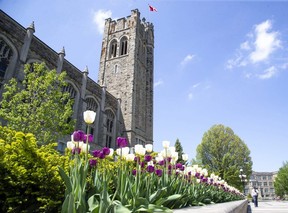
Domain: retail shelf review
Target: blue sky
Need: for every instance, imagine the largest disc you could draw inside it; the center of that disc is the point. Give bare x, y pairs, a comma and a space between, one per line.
216, 62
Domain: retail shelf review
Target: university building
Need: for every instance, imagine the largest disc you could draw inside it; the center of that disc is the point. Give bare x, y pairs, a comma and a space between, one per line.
123, 95
264, 182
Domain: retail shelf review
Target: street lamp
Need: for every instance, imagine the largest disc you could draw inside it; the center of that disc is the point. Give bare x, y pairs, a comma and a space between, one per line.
243, 179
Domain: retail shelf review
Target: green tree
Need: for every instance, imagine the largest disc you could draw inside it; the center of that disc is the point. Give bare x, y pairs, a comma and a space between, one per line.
38, 105
224, 153
29, 178
281, 181
179, 149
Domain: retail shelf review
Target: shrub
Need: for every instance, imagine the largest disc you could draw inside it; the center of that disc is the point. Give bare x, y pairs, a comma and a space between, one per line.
29, 178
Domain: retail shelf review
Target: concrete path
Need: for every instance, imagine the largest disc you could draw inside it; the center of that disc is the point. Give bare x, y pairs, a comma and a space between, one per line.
269, 207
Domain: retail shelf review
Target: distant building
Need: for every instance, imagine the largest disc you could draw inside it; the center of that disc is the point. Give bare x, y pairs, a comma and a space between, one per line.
264, 182
123, 96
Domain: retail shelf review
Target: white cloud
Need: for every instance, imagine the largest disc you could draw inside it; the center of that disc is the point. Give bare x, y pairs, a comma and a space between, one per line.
268, 73
158, 83
188, 58
260, 52
99, 19
245, 46
190, 96
196, 85
266, 42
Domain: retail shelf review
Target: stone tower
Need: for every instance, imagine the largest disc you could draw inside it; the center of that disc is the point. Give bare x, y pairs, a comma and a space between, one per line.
126, 70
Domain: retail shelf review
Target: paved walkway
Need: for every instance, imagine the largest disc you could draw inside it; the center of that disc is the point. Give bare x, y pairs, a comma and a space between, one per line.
269, 207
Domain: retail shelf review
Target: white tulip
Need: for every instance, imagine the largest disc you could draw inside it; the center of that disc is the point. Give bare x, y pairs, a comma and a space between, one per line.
165, 144
89, 116
149, 147
172, 149
174, 155
159, 158
111, 152
125, 151
138, 148
130, 157
85, 147
70, 145
185, 157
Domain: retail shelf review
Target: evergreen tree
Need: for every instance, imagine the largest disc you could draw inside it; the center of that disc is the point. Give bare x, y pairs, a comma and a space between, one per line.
37, 105
224, 153
179, 149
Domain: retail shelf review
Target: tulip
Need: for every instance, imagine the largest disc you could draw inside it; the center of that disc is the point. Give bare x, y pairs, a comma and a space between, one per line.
122, 142
172, 149
111, 152
78, 136
90, 138
106, 151
165, 144
147, 158
85, 147
130, 157
150, 168
89, 116
96, 153
70, 145
185, 157
138, 149
92, 162
149, 147
158, 172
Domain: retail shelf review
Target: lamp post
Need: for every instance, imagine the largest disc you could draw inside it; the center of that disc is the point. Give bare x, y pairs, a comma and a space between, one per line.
243, 179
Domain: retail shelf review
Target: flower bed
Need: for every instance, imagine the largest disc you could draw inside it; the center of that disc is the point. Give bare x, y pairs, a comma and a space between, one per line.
136, 179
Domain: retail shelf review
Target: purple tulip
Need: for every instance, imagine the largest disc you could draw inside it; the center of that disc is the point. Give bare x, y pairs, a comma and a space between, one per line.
121, 142
106, 151
78, 135
101, 155
161, 162
178, 166
96, 153
136, 158
147, 158
90, 138
142, 164
158, 172
93, 162
76, 150
134, 172
150, 169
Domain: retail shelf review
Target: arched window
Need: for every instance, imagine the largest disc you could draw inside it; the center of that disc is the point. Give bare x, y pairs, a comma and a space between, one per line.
70, 89
113, 49
109, 127
5, 55
123, 46
91, 104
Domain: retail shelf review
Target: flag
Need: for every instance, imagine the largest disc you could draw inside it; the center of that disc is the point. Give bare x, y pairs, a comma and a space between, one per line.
153, 9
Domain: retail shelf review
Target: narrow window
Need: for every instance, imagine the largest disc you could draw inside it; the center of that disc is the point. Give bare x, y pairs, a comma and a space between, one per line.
113, 49
123, 46
5, 55
109, 128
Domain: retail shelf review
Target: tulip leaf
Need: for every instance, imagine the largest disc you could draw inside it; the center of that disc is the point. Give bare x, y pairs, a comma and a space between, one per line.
66, 180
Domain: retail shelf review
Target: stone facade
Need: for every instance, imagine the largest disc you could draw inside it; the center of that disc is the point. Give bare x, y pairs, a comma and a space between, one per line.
264, 182
126, 68
124, 113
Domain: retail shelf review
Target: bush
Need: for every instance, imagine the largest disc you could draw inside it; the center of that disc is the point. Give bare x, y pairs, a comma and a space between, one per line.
29, 178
